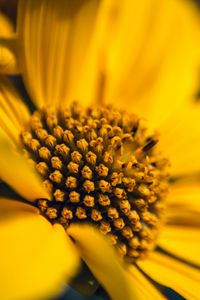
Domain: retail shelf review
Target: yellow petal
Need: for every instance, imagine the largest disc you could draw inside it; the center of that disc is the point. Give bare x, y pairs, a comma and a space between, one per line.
36, 258
183, 217
6, 27
10, 207
8, 59
146, 289
172, 273
183, 203
180, 140
8, 62
10, 129
181, 241
12, 103
152, 57
17, 172
104, 263
54, 37
13, 113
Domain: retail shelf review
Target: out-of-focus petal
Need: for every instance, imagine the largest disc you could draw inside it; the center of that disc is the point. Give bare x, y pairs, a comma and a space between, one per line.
181, 241
17, 172
152, 57
13, 112
180, 139
8, 62
183, 203
36, 258
54, 37
10, 207
104, 263
172, 273
12, 103
6, 27
146, 289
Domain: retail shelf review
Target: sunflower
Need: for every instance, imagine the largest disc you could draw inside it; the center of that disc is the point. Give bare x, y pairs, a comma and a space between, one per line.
64, 168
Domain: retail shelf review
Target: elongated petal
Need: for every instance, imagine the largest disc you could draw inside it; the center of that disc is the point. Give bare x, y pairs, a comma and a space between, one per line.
17, 172
8, 60
183, 217
13, 112
12, 103
172, 273
98, 58
8, 63
146, 289
180, 140
104, 263
54, 37
36, 258
10, 207
6, 27
10, 129
181, 241
183, 203
152, 57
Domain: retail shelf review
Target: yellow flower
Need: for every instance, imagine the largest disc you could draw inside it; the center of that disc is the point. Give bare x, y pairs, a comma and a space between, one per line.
95, 52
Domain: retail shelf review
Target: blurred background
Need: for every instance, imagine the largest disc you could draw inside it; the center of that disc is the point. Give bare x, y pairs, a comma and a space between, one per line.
9, 7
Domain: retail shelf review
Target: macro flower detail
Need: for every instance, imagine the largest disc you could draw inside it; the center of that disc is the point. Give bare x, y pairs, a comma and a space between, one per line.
67, 171
100, 166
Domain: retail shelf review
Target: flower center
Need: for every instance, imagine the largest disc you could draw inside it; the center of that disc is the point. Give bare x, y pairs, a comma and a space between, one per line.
100, 166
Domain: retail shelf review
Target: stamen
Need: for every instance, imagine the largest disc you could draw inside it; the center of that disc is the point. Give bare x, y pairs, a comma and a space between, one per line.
44, 153
56, 176
59, 195
71, 182
100, 166
56, 163
151, 143
67, 213
42, 168
88, 201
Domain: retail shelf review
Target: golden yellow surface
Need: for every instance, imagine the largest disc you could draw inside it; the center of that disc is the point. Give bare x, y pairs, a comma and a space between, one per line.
140, 55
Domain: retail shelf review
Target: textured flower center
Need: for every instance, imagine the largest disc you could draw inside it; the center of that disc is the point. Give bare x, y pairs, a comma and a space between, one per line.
100, 166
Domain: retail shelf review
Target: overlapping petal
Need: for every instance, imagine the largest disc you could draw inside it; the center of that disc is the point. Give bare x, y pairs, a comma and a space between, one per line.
183, 203
17, 172
8, 61
54, 37
172, 273
180, 139
151, 57
6, 27
10, 207
181, 241
98, 58
13, 112
146, 289
107, 267
36, 257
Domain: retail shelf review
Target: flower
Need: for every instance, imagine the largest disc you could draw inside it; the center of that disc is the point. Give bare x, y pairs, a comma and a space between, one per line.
85, 58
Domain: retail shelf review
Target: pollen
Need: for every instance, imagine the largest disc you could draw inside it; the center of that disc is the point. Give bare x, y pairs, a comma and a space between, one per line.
101, 166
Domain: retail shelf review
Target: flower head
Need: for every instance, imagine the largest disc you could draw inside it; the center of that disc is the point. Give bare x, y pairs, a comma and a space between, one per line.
100, 166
